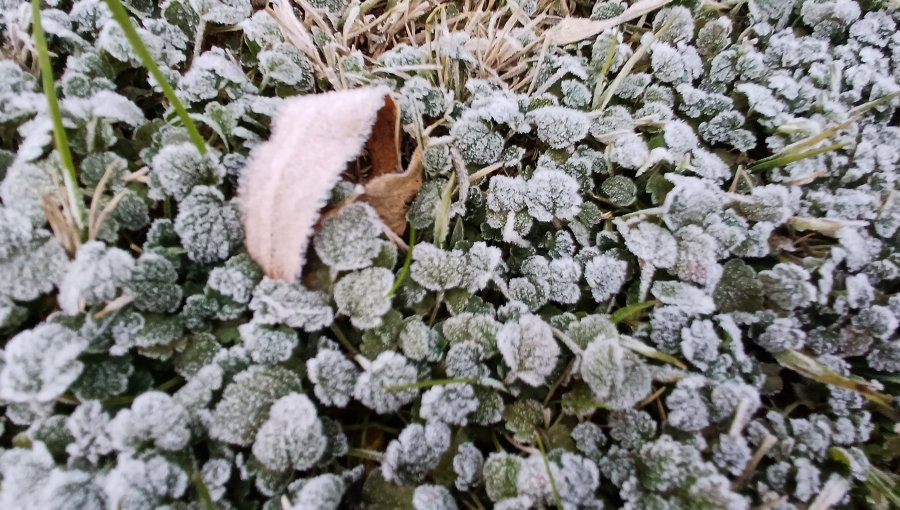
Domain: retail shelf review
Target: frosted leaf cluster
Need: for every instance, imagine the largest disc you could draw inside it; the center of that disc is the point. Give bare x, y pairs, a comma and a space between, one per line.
292, 437
437, 269
277, 302
528, 349
349, 240
381, 385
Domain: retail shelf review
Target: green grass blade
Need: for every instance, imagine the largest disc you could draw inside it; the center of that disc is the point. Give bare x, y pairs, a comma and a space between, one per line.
406, 262
121, 17
70, 176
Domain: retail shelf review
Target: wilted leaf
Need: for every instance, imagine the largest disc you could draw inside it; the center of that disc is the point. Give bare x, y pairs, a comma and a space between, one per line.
290, 177
390, 194
384, 144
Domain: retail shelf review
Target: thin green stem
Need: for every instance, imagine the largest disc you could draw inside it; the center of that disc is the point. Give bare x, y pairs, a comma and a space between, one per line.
202, 490
556, 497
121, 17
428, 384
406, 262
792, 157
365, 453
70, 176
342, 338
628, 311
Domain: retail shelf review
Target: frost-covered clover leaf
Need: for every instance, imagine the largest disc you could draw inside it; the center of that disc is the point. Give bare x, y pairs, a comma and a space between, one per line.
41, 364
653, 245
433, 497
153, 283
234, 282
409, 458
477, 143
268, 344
284, 63
154, 418
787, 285
528, 349
479, 328
559, 127
88, 426
212, 73
95, 277
323, 492
553, 195
363, 296
246, 401
557, 278
177, 168
333, 377
468, 464
617, 376
278, 302
439, 270
450, 404
380, 386
225, 12
686, 297
349, 240
208, 226
292, 437
605, 275
144, 480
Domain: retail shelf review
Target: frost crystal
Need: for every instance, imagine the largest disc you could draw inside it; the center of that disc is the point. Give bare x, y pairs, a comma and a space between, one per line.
333, 377
292, 436
528, 349
375, 386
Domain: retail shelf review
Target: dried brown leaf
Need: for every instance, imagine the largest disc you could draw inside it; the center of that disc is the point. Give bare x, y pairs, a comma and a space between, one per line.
384, 144
290, 177
390, 194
